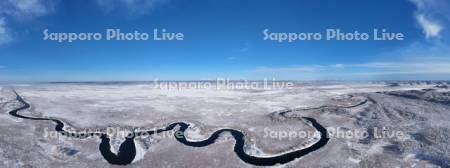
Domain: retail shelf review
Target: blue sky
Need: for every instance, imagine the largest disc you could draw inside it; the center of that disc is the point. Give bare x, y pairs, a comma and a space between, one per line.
224, 39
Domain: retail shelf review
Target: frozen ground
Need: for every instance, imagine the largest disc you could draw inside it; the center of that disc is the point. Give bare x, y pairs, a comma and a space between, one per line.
420, 110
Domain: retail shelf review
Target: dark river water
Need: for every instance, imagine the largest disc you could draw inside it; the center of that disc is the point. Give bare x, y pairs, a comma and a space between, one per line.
127, 150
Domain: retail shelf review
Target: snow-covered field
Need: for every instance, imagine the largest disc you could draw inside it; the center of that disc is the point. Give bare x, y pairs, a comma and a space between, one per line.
132, 105
142, 105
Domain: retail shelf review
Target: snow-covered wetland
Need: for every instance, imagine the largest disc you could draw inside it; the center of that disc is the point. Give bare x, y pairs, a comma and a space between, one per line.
368, 124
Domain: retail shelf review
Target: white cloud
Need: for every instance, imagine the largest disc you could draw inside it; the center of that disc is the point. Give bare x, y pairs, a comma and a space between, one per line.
432, 16
26, 9
337, 66
430, 28
130, 6
300, 68
406, 67
291, 69
4, 35
369, 69
21, 10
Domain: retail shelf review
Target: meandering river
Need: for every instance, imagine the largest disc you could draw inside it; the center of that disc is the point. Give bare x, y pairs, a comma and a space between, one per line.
127, 150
